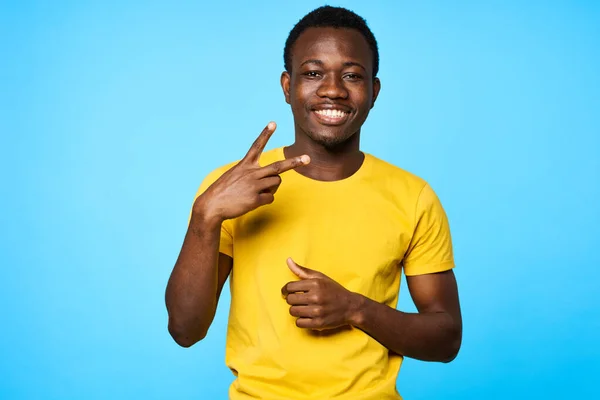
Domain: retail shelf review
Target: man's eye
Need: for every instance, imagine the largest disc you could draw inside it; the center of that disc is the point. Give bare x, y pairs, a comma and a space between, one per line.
352, 77
311, 74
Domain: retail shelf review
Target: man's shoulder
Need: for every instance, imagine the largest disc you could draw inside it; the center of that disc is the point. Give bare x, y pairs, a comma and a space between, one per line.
388, 171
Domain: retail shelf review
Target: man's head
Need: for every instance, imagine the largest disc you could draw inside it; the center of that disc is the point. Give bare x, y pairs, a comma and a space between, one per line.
331, 62
331, 17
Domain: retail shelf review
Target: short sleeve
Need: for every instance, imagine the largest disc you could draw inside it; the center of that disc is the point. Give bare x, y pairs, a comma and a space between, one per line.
430, 249
226, 241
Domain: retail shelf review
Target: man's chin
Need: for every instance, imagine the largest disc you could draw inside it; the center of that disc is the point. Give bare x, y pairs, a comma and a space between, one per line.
330, 140
330, 143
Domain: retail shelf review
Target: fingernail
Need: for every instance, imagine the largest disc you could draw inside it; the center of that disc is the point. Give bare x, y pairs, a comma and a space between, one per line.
272, 125
305, 159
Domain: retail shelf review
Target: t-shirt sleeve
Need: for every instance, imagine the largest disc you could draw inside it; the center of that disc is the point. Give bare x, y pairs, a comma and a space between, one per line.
430, 249
226, 241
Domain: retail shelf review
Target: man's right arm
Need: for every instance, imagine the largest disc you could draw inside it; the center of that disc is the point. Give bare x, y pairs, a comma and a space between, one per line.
197, 279
200, 271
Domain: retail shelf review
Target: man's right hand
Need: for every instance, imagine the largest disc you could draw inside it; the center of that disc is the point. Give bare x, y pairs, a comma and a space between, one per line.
247, 185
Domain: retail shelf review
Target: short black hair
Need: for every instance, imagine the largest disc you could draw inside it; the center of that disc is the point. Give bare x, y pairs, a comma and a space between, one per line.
331, 17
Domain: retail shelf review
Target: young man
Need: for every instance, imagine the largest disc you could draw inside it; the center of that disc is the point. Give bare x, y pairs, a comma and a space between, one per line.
314, 237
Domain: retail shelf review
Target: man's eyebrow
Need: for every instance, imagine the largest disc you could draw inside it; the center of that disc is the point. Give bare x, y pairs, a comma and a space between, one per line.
354, 64
321, 63
312, 61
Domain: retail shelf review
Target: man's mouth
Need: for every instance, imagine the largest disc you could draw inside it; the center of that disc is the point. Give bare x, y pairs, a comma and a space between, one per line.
331, 116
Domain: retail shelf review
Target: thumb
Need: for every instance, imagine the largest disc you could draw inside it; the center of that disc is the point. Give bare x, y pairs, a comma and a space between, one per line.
301, 272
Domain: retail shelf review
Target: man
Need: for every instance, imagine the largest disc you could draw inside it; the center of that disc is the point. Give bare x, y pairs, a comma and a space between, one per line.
314, 237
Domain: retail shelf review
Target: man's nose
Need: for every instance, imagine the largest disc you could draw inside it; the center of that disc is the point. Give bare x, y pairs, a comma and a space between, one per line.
332, 87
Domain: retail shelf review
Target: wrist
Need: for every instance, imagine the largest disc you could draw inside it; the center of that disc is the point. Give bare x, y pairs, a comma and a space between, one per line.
204, 215
356, 312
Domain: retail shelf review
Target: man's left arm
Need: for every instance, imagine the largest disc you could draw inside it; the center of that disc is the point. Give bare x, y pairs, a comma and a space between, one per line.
432, 334
435, 332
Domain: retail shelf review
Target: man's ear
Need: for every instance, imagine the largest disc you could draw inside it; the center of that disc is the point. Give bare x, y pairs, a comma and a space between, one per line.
285, 85
376, 89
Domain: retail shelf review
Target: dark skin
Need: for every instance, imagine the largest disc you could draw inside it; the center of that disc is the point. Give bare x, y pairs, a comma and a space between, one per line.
331, 70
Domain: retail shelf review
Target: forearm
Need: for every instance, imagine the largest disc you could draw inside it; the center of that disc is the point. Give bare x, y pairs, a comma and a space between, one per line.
434, 336
191, 295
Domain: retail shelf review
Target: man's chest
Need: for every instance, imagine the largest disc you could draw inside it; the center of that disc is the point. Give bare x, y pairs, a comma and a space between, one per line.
358, 241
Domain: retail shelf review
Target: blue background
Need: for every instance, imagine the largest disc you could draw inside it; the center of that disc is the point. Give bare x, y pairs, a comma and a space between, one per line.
112, 113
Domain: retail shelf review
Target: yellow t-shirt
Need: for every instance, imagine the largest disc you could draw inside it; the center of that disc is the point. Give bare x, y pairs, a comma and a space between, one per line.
360, 231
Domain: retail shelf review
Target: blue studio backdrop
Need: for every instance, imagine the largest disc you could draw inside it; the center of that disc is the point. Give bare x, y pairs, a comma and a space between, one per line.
111, 113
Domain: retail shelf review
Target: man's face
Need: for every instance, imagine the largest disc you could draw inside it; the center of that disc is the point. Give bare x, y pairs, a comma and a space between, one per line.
330, 86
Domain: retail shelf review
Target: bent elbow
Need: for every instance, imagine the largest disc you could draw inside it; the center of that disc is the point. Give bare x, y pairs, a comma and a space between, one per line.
185, 337
450, 358
184, 341
453, 349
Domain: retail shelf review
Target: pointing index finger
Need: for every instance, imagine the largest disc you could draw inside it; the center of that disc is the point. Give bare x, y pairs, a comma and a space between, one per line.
261, 141
279, 167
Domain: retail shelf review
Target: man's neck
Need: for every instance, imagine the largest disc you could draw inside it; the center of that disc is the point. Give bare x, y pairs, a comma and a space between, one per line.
327, 164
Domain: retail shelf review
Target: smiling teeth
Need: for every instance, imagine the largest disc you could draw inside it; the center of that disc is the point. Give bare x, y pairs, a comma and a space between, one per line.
331, 113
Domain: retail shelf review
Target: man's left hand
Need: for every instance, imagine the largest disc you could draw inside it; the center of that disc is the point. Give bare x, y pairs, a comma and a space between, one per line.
318, 301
